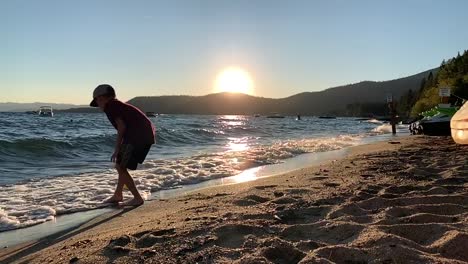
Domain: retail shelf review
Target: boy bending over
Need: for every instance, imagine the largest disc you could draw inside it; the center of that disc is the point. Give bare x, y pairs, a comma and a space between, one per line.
135, 135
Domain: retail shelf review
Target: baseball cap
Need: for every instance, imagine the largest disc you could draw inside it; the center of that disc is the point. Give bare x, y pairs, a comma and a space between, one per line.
102, 89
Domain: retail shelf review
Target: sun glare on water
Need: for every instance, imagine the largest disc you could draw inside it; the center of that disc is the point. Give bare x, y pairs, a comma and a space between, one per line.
234, 80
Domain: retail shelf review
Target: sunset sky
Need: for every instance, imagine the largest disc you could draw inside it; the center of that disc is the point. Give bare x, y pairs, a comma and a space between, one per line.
59, 51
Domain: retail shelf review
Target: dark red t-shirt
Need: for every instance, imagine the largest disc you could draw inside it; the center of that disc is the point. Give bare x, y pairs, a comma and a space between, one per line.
139, 129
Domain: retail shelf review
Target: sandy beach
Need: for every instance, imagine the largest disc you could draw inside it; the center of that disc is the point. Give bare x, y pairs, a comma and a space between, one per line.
400, 201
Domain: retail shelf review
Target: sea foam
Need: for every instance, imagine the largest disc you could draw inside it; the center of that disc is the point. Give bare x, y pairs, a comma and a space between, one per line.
387, 128
40, 200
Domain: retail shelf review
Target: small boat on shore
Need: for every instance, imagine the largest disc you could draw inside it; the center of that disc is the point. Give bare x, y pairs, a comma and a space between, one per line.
275, 115
436, 122
438, 125
45, 110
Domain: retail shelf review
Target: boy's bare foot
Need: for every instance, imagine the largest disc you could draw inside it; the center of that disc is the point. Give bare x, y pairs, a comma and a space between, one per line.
133, 202
113, 199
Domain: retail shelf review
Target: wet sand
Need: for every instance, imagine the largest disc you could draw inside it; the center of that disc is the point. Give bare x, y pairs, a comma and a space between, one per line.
403, 201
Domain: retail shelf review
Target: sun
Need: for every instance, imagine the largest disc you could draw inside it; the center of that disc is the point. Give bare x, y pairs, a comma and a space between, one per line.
234, 80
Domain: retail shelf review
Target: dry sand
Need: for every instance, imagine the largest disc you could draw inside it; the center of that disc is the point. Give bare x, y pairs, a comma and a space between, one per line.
390, 202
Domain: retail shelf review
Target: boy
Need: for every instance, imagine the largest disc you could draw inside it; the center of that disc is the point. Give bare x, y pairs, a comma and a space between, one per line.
135, 135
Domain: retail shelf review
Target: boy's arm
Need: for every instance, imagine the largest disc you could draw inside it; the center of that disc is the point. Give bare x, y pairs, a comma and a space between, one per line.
120, 132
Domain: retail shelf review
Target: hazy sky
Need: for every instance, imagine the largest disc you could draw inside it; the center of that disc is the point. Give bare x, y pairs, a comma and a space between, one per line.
58, 51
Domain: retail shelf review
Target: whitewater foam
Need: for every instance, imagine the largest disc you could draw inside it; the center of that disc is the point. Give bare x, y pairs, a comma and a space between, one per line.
374, 121
387, 128
40, 200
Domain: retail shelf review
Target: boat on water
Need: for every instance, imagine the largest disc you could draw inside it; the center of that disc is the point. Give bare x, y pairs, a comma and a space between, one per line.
151, 114
275, 115
45, 110
327, 117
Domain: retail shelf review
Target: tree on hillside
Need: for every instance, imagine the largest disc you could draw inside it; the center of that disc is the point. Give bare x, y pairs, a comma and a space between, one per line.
453, 73
406, 102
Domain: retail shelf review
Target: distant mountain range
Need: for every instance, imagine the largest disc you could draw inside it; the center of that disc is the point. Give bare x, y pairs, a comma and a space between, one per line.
330, 101
21, 107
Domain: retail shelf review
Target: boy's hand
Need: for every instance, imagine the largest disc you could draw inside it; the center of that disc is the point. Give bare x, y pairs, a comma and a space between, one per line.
114, 156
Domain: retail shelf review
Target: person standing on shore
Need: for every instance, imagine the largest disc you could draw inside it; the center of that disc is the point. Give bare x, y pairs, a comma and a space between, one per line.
135, 135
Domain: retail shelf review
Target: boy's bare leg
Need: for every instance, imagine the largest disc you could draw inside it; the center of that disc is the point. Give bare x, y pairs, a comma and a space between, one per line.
125, 178
118, 193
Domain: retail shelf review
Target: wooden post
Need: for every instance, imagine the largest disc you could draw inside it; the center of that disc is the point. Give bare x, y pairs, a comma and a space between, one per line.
393, 118
391, 106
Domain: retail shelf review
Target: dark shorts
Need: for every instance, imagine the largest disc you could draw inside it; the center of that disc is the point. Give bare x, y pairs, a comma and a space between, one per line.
130, 155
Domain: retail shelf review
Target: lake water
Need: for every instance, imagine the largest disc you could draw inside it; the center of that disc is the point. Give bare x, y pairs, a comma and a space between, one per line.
58, 165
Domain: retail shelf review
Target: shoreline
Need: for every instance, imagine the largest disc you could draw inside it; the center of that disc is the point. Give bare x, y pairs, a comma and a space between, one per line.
270, 213
31, 234
28, 203
12, 238
318, 159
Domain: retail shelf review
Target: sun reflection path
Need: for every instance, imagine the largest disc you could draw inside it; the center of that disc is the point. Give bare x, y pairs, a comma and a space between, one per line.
247, 175
228, 121
233, 146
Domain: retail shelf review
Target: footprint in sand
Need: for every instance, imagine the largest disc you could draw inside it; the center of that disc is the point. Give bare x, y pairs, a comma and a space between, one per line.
120, 245
384, 253
302, 215
149, 239
233, 236
325, 232
298, 191
452, 244
264, 187
347, 209
279, 251
251, 200
423, 234
419, 218
285, 200
318, 178
331, 184
402, 189
122, 241
377, 203
451, 181
444, 209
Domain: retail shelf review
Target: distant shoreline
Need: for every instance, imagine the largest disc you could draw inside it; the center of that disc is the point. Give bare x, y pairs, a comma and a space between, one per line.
359, 99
